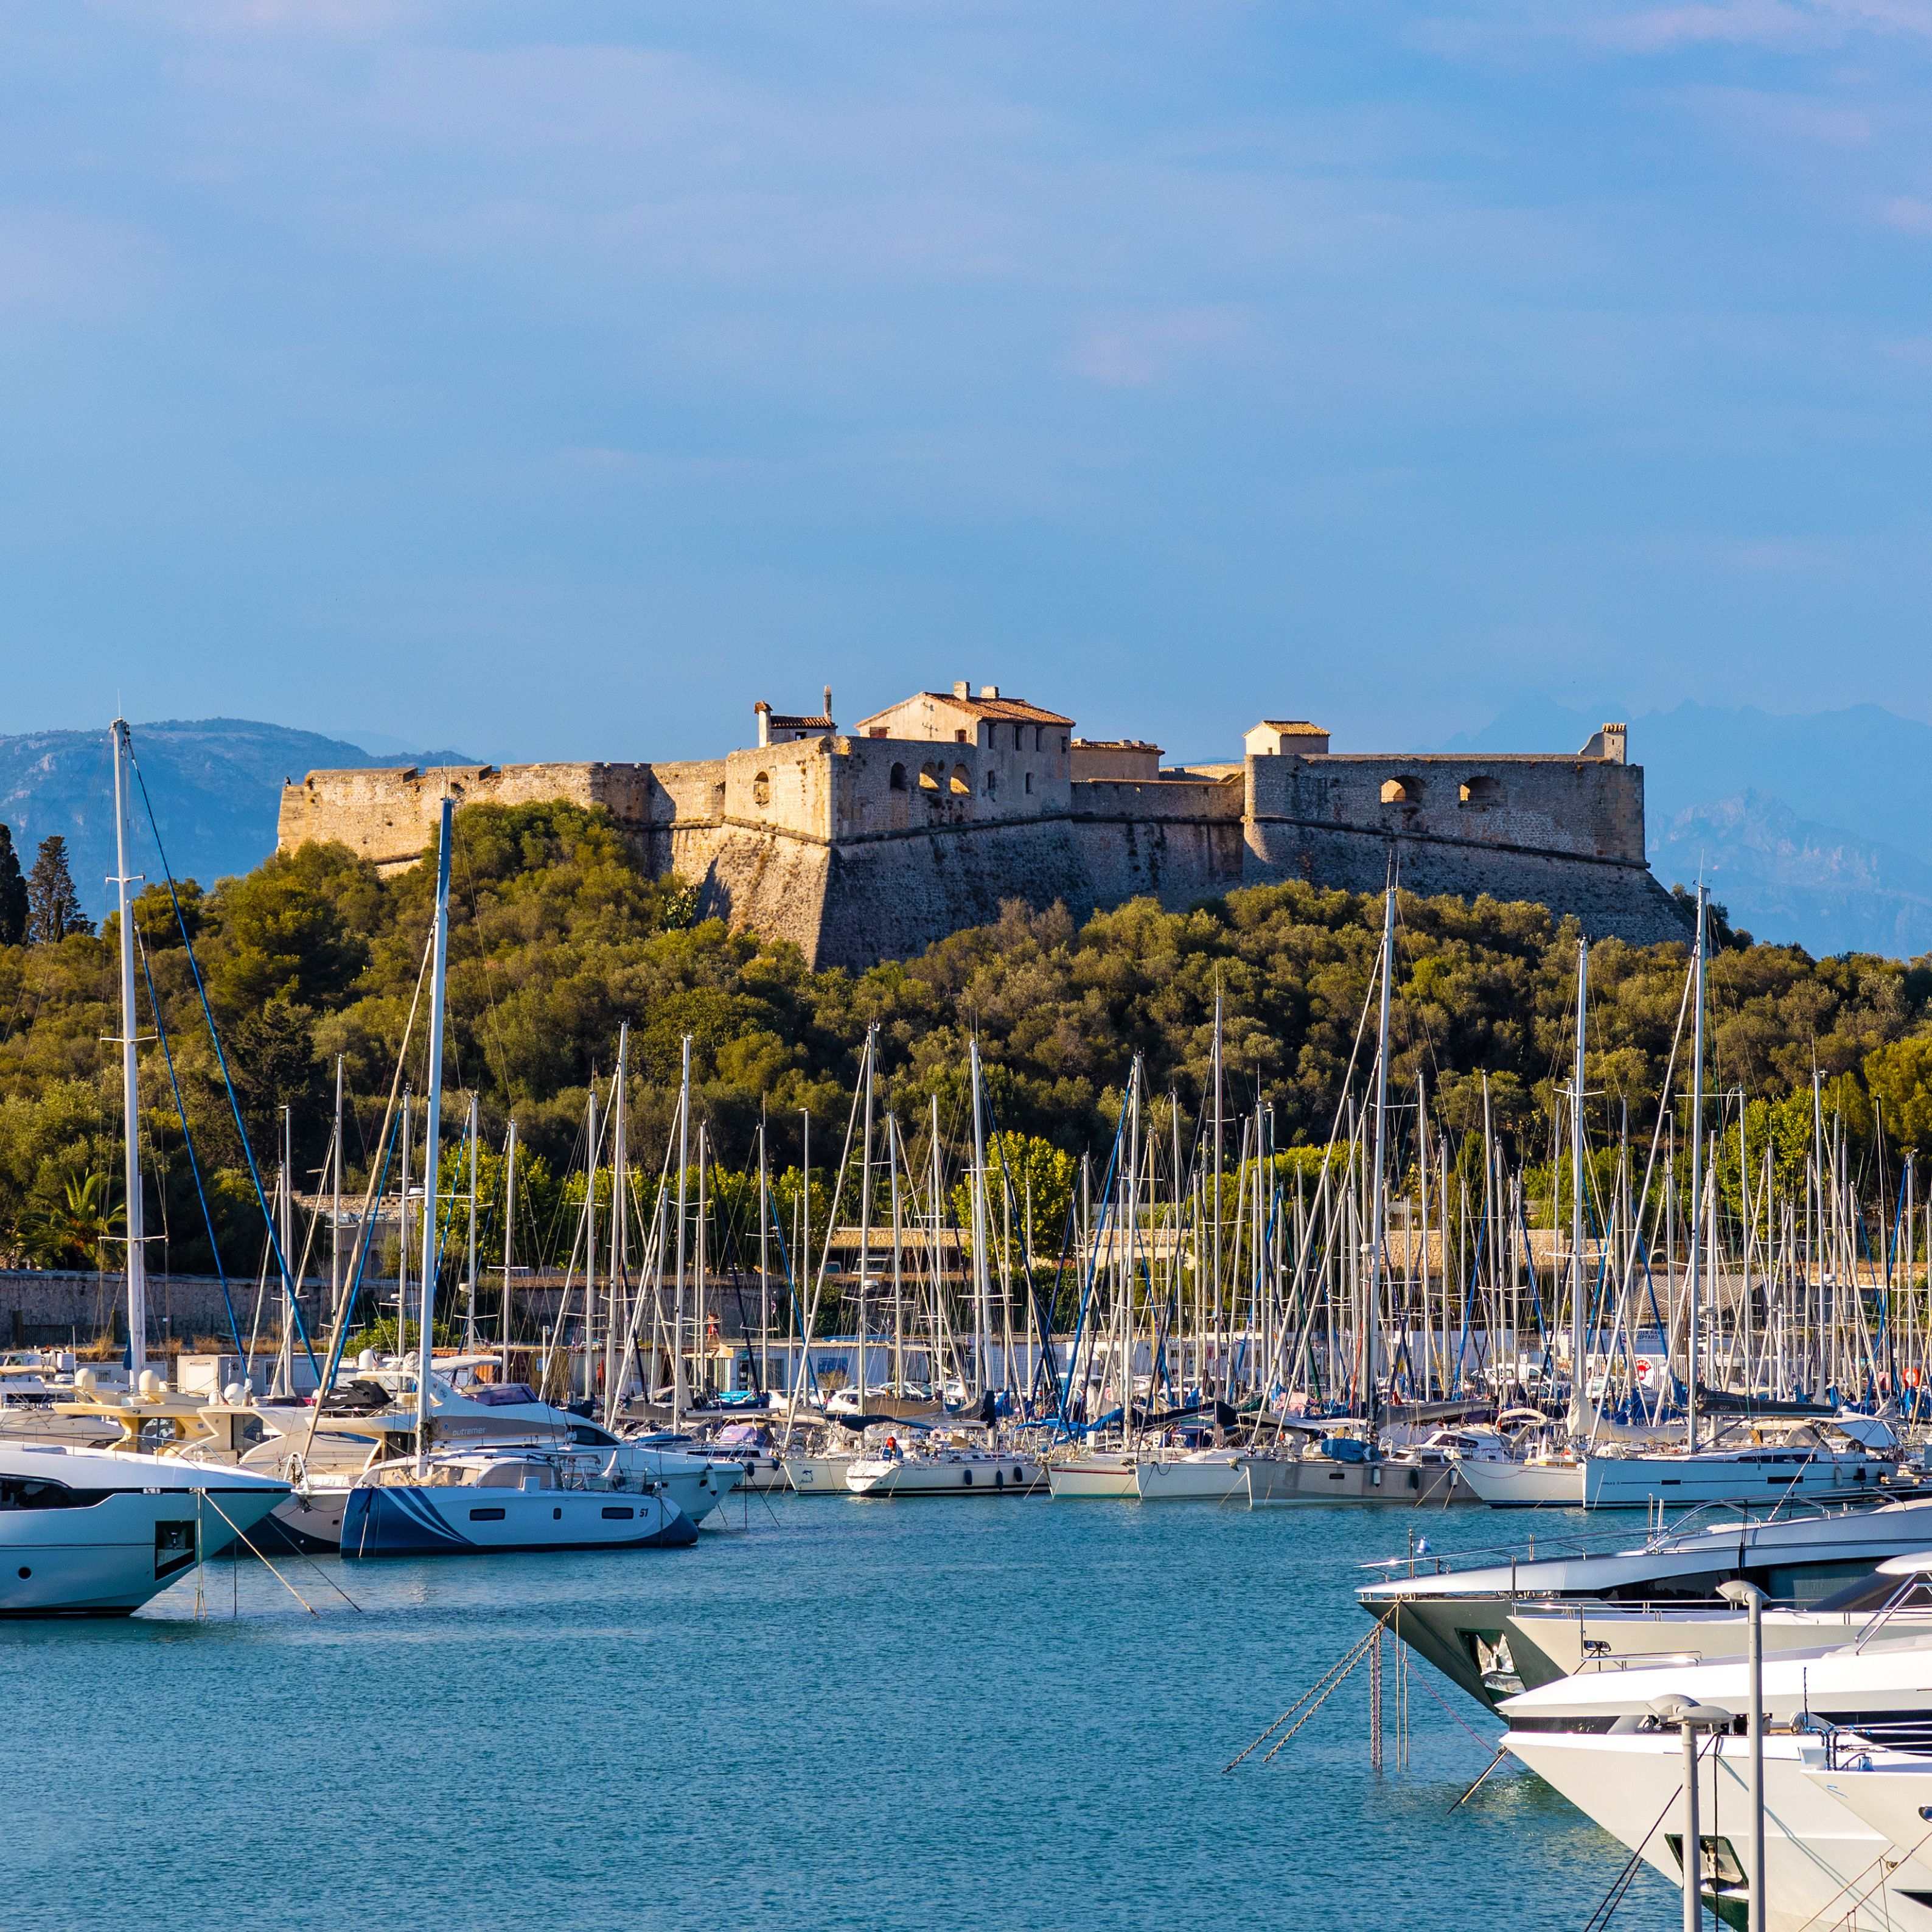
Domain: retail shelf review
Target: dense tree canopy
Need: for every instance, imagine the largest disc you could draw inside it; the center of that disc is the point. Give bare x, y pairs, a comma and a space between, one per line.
558, 938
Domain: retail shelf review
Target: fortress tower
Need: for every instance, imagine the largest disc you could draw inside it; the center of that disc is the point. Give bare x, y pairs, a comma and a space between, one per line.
923, 818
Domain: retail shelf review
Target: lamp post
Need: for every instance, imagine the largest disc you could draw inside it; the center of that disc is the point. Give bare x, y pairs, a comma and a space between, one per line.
1752, 1599
1690, 1718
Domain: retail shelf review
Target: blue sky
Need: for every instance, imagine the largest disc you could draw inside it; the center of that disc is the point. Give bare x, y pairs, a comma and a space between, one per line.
555, 381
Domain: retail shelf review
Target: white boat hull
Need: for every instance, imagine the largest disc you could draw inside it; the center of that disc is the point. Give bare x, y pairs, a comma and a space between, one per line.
1275, 1481
972, 1474
149, 1521
1211, 1476
1524, 1485
1684, 1482
1103, 1476
818, 1475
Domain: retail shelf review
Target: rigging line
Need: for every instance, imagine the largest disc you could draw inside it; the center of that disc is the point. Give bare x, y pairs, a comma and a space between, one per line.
187, 1139
372, 1194
221, 1061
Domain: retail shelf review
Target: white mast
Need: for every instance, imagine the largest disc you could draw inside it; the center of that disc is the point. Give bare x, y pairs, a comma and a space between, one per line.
620, 1224
131, 1085
683, 1162
982, 1308
1378, 1214
335, 1207
469, 1284
509, 1232
432, 1128
865, 1216
1579, 1339
1692, 1336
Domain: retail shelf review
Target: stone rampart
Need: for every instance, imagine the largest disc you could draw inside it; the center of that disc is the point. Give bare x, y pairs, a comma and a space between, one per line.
860, 848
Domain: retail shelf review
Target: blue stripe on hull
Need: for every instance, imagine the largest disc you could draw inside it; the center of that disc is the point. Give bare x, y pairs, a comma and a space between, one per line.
398, 1521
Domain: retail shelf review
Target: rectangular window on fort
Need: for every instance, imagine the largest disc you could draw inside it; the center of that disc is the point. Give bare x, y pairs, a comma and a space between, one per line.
1029, 782
959, 736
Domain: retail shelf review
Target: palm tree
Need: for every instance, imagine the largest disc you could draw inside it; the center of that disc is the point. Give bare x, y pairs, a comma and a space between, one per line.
75, 1228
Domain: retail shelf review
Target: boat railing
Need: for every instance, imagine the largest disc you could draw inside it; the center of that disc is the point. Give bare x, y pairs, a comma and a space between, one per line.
1850, 1746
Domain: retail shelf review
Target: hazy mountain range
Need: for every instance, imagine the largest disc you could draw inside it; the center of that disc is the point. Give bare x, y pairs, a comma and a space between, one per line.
216, 785
1815, 830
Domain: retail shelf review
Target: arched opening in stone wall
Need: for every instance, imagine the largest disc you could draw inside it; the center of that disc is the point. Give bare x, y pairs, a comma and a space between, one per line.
1401, 791
929, 776
761, 789
962, 782
897, 779
1481, 791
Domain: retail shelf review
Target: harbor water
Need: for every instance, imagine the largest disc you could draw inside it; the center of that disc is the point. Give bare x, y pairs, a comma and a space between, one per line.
909, 1716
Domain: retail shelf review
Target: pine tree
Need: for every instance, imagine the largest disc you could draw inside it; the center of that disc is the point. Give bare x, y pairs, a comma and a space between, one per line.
13, 892
53, 906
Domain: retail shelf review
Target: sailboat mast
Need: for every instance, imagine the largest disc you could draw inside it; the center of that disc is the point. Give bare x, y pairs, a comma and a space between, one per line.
1692, 1335
1578, 1365
683, 1163
509, 1232
432, 1128
620, 1246
335, 1206
1378, 1204
130, 1085
865, 1216
982, 1307
470, 1273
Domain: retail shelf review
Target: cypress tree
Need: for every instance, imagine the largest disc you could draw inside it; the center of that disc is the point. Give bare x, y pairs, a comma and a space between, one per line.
53, 906
13, 892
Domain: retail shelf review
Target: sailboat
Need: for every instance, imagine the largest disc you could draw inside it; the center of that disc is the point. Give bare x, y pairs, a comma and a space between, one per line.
96, 1532
532, 1496
1353, 1465
1551, 1476
1818, 1458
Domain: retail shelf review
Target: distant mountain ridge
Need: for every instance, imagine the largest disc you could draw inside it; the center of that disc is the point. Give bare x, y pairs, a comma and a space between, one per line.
1815, 830
215, 784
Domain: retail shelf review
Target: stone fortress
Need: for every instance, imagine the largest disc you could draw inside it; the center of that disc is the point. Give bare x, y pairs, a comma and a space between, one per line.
870, 843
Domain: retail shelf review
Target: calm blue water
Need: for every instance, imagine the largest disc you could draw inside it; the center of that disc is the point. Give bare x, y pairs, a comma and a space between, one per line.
901, 1716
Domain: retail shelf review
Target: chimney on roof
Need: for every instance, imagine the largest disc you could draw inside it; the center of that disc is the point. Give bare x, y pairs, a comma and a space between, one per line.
962, 688
763, 711
989, 691
828, 704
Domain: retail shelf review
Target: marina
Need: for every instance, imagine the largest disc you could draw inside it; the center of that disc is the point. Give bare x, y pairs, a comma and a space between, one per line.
1056, 1758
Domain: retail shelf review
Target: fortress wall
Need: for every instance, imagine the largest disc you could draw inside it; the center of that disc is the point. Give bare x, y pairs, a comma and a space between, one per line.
888, 899
1157, 798
1588, 808
1179, 861
776, 887
389, 816
1609, 900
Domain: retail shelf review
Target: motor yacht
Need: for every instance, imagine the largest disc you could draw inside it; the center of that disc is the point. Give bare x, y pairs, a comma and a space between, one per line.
1458, 1618
98, 1532
1847, 1730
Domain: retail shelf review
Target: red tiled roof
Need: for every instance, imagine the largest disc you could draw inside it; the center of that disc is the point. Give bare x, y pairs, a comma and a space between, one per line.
1008, 710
